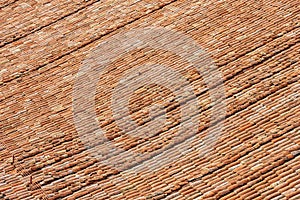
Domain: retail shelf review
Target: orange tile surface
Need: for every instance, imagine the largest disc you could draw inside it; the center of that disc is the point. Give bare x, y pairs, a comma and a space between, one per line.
255, 46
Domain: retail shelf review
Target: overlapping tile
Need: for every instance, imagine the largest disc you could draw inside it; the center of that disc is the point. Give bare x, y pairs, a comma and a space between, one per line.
255, 49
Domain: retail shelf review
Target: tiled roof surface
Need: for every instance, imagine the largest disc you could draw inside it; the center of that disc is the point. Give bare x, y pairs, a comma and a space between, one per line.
254, 45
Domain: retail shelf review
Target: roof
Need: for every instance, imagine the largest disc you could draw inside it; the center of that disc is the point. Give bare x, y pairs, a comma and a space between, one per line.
70, 128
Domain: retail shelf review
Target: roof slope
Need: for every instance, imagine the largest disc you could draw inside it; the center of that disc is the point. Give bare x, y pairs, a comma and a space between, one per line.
254, 46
